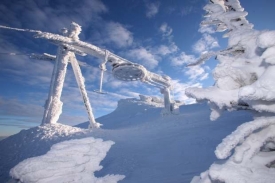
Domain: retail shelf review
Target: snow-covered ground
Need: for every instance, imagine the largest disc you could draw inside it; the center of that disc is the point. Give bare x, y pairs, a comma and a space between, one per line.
148, 147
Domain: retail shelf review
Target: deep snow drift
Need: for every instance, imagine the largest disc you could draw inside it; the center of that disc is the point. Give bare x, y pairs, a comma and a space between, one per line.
148, 147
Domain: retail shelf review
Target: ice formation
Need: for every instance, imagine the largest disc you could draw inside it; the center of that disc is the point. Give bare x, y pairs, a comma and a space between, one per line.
244, 80
68, 161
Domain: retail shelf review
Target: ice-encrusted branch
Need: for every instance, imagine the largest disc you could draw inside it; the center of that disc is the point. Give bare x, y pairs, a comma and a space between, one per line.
253, 144
231, 141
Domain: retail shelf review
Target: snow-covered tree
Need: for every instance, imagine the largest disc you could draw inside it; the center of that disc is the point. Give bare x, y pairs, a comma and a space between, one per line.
244, 79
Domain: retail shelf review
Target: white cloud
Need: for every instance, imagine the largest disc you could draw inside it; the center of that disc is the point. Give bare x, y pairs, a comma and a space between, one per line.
206, 29
205, 76
206, 43
182, 59
144, 56
165, 29
178, 90
118, 34
152, 9
165, 50
196, 72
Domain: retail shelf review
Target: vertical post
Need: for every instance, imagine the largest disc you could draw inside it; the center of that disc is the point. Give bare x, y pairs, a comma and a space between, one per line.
101, 80
167, 101
53, 105
81, 86
102, 67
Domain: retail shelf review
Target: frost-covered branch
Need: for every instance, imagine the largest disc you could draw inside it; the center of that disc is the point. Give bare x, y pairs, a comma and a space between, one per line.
238, 136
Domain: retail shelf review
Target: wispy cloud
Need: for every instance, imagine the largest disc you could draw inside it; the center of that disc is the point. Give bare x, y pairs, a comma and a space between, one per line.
165, 29
182, 59
118, 34
164, 50
206, 43
196, 73
207, 29
178, 90
151, 9
144, 56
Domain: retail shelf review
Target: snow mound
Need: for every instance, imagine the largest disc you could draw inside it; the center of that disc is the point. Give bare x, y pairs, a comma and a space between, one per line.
69, 161
127, 109
33, 142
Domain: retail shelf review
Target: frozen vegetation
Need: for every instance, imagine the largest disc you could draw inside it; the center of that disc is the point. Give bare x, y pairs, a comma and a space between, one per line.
244, 79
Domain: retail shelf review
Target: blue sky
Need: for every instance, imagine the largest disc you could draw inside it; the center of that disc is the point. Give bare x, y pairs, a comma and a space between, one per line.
161, 35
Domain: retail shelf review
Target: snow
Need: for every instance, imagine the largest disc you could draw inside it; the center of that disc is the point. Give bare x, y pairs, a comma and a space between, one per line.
68, 161
148, 147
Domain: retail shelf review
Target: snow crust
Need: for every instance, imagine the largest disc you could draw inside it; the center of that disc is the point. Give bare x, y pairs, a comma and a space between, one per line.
68, 161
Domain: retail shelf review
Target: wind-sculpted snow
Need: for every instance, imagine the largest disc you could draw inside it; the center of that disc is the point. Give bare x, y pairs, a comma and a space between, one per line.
69, 161
33, 142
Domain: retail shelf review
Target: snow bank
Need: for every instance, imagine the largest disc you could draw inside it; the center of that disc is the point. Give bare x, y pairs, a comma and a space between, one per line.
34, 142
69, 161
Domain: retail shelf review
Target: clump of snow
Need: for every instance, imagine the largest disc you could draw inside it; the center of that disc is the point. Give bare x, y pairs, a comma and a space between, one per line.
244, 80
152, 100
68, 161
34, 142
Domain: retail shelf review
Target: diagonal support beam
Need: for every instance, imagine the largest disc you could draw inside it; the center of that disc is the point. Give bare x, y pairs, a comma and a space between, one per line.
81, 85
